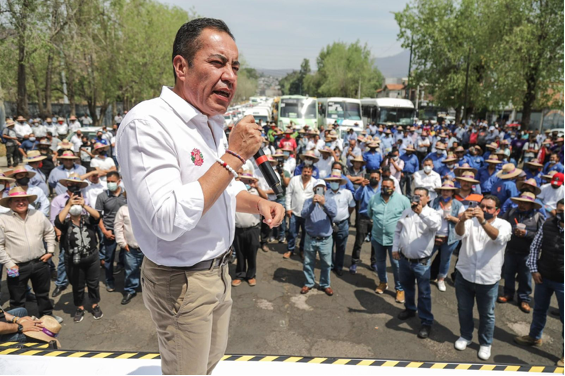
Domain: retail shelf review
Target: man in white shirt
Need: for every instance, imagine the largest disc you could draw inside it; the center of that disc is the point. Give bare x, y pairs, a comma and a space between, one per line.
551, 193
74, 124
22, 128
91, 192
345, 206
62, 127
180, 179
484, 237
427, 178
413, 245
101, 161
38, 129
324, 165
76, 140
299, 189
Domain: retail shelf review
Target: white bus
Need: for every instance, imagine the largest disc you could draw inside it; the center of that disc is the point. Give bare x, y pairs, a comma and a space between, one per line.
299, 109
345, 111
388, 111
260, 112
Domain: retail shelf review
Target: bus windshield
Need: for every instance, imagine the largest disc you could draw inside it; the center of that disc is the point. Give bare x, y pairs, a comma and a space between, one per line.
344, 111
395, 115
352, 111
295, 108
335, 110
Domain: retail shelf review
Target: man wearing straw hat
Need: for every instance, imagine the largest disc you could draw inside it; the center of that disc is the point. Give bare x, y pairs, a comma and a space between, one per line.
74, 124
34, 162
505, 186
101, 161
447, 172
529, 185
466, 193
437, 156
486, 173
68, 166
12, 151
525, 220
23, 177
345, 206
62, 127
309, 159
22, 128
534, 171
373, 157
23, 232
411, 165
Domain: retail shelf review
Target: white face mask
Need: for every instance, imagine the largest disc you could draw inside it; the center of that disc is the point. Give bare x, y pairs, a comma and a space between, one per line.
334, 185
75, 210
427, 169
308, 162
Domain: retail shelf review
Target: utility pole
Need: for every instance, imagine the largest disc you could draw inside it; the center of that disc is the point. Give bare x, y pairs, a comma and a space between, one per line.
467, 86
409, 69
359, 90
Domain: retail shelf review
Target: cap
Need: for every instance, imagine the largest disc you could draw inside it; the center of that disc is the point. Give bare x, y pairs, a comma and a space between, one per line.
557, 179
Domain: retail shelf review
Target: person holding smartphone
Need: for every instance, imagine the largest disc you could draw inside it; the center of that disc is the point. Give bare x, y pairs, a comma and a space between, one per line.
483, 242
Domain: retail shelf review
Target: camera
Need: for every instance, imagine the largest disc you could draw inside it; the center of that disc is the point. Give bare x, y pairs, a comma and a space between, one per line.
473, 204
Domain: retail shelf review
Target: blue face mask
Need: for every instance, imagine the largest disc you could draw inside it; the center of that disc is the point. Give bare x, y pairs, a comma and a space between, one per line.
445, 199
247, 186
334, 185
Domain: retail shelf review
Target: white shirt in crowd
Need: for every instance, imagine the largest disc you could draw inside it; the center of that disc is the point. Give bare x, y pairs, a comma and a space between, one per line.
290, 165
167, 202
344, 200
62, 129
93, 190
123, 230
296, 194
74, 125
549, 196
324, 167
264, 185
103, 164
480, 257
415, 233
77, 143
444, 229
39, 131
246, 220
22, 129
429, 181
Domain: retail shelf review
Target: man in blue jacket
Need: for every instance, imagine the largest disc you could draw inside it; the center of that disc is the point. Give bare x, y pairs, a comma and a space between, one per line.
410, 167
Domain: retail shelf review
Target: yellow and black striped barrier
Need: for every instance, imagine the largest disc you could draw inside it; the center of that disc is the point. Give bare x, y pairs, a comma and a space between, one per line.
41, 349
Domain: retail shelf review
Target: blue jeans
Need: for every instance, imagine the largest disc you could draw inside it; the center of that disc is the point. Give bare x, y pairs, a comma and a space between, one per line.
133, 260
62, 280
15, 337
381, 251
466, 293
543, 294
280, 232
516, 264
339, 243
324, 248
445, 252
410, 271
296, 223
111, 246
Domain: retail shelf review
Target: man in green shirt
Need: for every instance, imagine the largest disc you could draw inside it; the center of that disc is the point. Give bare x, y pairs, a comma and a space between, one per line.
385, 209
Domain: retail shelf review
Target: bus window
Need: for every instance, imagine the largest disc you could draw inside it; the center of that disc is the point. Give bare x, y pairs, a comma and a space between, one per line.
335, 110
352, 111
290, 108
309, 110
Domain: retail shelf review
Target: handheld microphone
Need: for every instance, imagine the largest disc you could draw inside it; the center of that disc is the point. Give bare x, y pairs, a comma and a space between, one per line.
268, 172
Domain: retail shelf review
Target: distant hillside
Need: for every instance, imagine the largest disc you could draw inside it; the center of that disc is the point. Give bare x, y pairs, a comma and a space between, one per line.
394, 66
277, 73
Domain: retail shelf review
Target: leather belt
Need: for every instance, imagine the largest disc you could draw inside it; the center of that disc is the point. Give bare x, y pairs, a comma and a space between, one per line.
339, 223
318, 238
422, 260
208, 264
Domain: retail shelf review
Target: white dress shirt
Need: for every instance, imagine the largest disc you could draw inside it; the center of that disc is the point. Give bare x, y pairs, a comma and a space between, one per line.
414, 234
262, 183
103, 164
480, 257
77, 143
164, 145
62, 129
296, 194
290, 165
246, 220
74, 126
344, 200
122, 228
431, 181
22, 129
324, 167
93, 190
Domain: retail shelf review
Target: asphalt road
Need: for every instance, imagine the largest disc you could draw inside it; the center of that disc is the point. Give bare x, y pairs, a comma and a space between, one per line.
274, 318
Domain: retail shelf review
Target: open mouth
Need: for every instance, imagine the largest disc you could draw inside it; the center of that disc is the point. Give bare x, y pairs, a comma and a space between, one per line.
223, 93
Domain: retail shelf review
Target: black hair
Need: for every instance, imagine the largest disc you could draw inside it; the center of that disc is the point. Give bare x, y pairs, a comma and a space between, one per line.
560, 202
375, 172
90, 169
385, 169
423, 189
113, 173
387, 179
337, 163
427, 159
493, 198
187, 43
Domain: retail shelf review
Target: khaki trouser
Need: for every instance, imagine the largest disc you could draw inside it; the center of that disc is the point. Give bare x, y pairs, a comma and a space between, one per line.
191, 310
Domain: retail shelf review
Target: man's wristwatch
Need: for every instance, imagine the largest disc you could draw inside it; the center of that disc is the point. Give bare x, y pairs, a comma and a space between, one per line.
20, 329
484, 222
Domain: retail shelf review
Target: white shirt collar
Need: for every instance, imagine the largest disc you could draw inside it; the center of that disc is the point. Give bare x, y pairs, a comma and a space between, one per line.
185, 110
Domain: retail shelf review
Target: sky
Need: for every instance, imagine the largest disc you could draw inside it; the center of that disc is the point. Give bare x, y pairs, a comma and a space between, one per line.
280, 34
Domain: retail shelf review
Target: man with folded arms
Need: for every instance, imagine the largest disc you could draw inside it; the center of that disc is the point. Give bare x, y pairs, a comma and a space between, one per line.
413, 245
484, 237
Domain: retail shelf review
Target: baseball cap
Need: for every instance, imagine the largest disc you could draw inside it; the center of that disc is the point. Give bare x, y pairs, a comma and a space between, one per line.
557, 179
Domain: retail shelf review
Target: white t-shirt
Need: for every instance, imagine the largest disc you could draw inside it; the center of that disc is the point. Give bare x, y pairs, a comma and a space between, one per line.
444, 229
77, 143
103, 164
93, 190
325, 167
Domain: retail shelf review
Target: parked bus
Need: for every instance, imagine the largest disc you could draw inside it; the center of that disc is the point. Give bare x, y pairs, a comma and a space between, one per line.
299, 109
388, 111
345, 111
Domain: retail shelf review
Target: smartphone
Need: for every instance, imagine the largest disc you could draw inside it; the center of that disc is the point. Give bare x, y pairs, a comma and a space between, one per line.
368, 176
416, 199
473, 204
319, 191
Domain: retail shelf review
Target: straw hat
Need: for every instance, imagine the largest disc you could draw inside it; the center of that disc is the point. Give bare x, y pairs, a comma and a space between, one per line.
66, 145
336, 176
325, 150
530, 183
358, 158
374, 144
460, 149
21, 118
440, 146
16, 192
10, 123
73, 117
34, 156
68, 155
493, 159
287, 148
49, 332
409, 148
492, 146
509, 171
528, 197
19, 169
465, 167
534, 164
73, 178
467, 176
310, 154
549, 175
450, 158
279, 154
4, 178
60, 119
48, 120
99, 146
247, 175
446, 186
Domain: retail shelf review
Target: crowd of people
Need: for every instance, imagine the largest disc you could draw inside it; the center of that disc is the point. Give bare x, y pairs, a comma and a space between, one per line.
487, 197
420, 195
